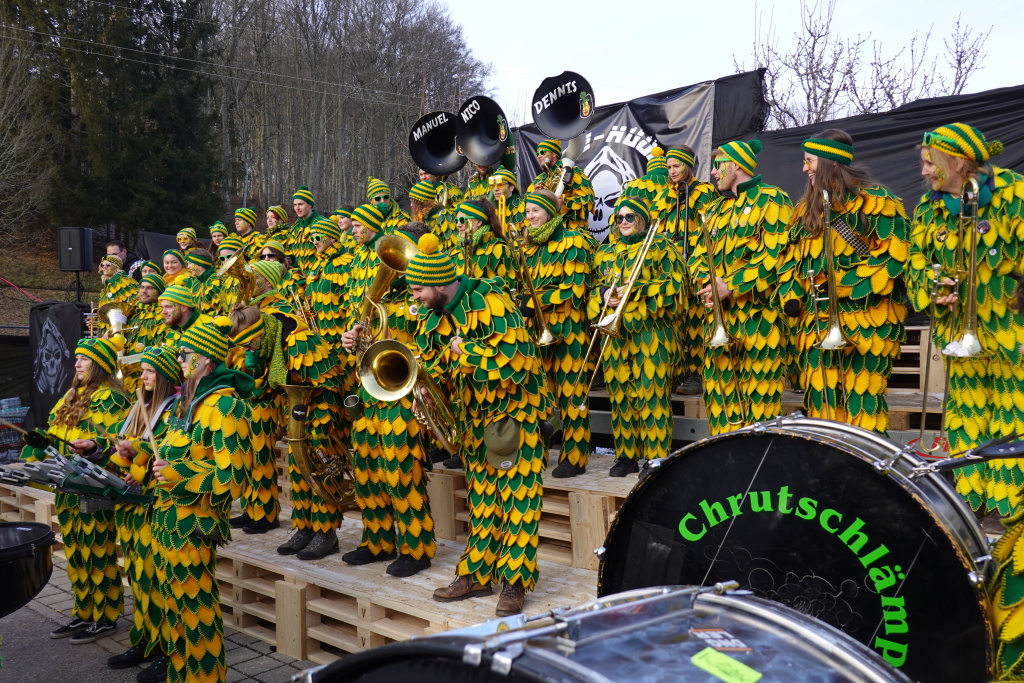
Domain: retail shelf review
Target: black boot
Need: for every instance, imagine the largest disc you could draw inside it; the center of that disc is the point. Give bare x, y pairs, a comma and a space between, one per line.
322, 545
133, 656
240, 521
156, 671
299, 540
406, 565
363, 555
261, 526
624, 466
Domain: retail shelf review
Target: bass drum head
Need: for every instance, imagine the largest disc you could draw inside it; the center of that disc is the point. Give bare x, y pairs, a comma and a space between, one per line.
25, 563
805, 519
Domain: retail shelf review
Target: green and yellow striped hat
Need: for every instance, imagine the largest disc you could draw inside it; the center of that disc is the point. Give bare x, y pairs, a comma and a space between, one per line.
681, 155
152, 264
248, 334
271, 271
158, 282
275, 244
545, 146
369, 215
325, 226
280, 212
506, 176
839, 152
187, 232
218, 227
179, 294
542, 201
112, 260
657, 162
176, 254
102, 351
424, 191
744, 154
471, 210
199, 258
342, 213
209, 339
637, 205
247, 214
305, 194
431, 267
961, 140
232, 242
375, 188
163, 360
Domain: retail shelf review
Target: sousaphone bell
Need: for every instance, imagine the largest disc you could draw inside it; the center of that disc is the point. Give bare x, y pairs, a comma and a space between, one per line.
432, 144
563, 105
482, 130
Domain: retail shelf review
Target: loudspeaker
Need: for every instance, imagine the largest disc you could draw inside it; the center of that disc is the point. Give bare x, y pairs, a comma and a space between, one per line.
74, 250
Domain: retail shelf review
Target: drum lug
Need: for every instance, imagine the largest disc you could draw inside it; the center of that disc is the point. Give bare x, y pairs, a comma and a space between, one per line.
600, 552
501, 662
473, 654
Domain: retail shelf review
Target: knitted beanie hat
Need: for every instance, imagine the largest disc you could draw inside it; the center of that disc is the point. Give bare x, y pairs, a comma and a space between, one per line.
280, 212
179, 294
275, 244
506, 176
231, 242
102, 351
199, 258
375, 188
163, 360
431, 267
744, 154
270, 271
305, 194
157, 281
152, 264
247, 214
209, 339
471, 210
189, 233
684, 157
545, 146
112, 260
176, 254
961, 140
325, 226
218, 228
369, 215
542, 201
424, 191
839, 152
342, 213
637, 206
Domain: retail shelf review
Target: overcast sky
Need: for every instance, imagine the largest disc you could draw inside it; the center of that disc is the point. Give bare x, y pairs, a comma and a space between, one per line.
629, 49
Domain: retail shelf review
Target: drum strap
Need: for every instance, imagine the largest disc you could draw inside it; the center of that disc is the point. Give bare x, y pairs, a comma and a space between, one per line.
851, 237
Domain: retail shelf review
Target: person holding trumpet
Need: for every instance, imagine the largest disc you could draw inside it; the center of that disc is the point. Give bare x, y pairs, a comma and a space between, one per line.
640, 280
848, 243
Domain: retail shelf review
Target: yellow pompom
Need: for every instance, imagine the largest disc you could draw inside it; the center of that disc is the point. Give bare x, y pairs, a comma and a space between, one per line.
335, 219
118, 342
223, 323
428, 243
657, 152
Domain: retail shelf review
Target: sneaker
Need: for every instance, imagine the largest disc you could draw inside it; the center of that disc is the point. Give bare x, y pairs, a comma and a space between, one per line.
566, 469
322, 545
438, 455
624, 466
156, 671
261, 526
299, 540
511, 600
240, 521
406, 565
453, 463
133, 656
691, 386
70, 629
363, 555
461, 588
93, 632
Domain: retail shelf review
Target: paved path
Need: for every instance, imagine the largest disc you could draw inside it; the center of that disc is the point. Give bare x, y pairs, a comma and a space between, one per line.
31, 656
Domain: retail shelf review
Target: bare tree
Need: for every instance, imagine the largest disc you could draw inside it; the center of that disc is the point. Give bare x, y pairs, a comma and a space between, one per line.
823, 75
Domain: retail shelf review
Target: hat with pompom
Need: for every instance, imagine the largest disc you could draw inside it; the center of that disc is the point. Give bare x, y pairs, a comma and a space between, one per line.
325, 226
305, 194
103, 352
218, 228
744, 154
280, 212
553, 146
961, 140
247, 214
179, 294
209, 339
431, 267
657, 164
376, 188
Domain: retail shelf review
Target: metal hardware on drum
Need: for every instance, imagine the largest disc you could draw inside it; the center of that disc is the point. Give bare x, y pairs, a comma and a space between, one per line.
1004, 447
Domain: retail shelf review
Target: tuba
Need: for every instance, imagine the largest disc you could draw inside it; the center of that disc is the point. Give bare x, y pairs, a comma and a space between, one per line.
394, 253
563, 108
330, 477
237, 268
482, 131
388, 371
433, 147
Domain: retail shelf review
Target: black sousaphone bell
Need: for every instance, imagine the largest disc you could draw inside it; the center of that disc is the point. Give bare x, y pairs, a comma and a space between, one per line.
482, 130
432, 144
563, 105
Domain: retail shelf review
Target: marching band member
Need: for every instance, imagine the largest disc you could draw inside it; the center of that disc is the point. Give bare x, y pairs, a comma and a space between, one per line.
342, 217
201, 465
150, 268
577, 199
146, 315
327, 288
187, 240
747, 228
869, 237
479, 182
680, 207
426, 207
647, 187
217, 234
389, 462
277, 223
639, 367
205, 286
161, 377
174, 267
378, 192
985, 392
180, 311
95, 400
559, 260
299, 246
449, 192
480, 237
117, 288
504, 185
473, 340
245, 229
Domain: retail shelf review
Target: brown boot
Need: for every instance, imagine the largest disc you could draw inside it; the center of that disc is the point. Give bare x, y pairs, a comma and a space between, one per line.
461, 588
513, 595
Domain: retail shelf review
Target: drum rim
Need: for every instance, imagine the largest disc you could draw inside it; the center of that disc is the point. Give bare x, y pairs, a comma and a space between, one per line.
27, 548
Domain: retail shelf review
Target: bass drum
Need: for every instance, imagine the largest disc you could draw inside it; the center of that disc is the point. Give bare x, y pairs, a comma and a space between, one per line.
645, 636
25, 563
825, 518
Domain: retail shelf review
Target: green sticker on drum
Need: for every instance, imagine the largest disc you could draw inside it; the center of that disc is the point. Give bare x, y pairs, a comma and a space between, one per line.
725, 667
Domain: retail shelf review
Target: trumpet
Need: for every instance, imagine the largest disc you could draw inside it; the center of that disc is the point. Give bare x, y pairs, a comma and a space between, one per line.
542, 333
91, 320
394, 253
719, 336
304, 310
388, 371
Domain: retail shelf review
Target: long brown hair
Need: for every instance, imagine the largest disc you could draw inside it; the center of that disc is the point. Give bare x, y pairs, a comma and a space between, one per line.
188, 389
492, 215
76, 403
162, 390
838, 179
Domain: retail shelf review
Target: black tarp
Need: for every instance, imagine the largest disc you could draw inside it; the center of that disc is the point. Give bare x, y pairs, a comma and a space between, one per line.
620, 137
15, 368
887, 143
54, 330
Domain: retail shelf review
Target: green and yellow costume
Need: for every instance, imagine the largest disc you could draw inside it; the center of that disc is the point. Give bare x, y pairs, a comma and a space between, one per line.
871, 309
299, 244
748, 232
577, 194
639, 368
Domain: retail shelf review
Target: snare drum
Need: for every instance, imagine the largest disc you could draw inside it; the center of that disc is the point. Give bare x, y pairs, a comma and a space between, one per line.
825, 518
644, 636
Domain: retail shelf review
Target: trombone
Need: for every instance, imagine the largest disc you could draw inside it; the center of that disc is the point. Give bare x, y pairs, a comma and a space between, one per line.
719, 336
600, 354
542, 333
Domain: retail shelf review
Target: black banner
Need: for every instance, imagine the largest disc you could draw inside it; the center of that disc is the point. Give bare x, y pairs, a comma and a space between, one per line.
54, 330
620, 137
887, 143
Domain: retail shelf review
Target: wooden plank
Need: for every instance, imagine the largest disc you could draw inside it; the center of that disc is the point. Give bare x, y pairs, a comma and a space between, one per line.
291, 619
441, 493
260, 609
590, 515
332, 635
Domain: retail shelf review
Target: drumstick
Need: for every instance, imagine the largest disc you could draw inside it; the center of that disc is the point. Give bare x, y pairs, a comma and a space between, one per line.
145, 419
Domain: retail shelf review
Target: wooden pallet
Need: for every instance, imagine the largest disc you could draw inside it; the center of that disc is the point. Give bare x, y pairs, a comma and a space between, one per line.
24, 504
908, 367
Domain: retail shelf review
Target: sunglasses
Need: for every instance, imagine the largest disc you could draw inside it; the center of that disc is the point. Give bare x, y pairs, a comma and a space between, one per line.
930, 138
267, 257
462, 220
625, 218
720, 162
382, 198
224, 258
